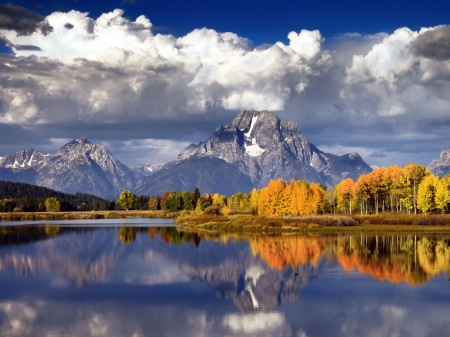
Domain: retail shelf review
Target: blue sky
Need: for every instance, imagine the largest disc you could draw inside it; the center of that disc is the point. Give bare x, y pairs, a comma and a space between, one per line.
146, 79
266, 21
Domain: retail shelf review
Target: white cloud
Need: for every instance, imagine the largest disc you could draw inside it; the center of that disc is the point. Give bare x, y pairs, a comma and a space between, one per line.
393, 79
386, 61
112, 68
111, 71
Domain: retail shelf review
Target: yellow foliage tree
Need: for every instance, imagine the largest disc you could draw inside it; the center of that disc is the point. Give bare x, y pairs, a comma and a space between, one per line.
52, 205
254, 199
271, 197
345, 195
426, 193
442, 194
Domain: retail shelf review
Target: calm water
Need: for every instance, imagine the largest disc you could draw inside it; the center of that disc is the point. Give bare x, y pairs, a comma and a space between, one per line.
157, 281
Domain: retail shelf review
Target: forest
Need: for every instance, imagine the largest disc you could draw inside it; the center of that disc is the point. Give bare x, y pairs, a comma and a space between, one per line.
410, 189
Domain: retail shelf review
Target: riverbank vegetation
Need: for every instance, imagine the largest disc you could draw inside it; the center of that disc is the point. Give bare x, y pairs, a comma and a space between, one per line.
40, 216
409, 195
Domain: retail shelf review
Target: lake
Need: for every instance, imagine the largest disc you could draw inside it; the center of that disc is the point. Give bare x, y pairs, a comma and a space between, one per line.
145, 277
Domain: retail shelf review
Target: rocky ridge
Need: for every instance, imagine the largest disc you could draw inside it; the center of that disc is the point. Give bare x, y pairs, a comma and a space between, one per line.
254, 149
78, 166
146, 170
441, 166
262, 147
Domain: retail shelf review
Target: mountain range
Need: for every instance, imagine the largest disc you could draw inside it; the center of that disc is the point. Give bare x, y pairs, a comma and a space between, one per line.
254, 149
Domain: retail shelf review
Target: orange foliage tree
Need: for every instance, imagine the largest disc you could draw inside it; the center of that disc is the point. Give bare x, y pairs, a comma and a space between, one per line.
345, 195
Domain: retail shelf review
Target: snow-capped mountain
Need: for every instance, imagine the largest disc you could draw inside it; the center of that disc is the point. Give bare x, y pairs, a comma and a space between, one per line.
261, 147
146, 170
78, 166
441, 166
254, 149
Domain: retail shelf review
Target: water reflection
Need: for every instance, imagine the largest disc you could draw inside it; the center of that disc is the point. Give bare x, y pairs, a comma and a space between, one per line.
147, 281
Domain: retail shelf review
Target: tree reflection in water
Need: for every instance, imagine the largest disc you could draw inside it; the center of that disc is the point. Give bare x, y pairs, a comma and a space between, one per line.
413, 258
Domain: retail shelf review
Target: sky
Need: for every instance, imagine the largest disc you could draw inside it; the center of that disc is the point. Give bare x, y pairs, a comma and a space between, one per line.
147, 78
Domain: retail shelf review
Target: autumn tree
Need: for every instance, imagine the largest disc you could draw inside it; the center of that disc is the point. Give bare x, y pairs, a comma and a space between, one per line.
270, 197
239, 202
163, 200
330, 199
316, 198
413, 175
153, 203
219, 200
376, 186
345, 195
126, 200
362, 190
442, 193
254, 199
298, 197
52, 205
426, 193
391, 181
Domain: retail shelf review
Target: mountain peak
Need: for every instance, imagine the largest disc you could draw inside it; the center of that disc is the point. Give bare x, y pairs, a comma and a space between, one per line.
441, 166
262, 147
77, 142
82, 140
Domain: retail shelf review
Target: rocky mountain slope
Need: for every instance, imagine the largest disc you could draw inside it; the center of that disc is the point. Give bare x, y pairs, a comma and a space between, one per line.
146, 170
78, 166
441, 166
261, 147
254, 149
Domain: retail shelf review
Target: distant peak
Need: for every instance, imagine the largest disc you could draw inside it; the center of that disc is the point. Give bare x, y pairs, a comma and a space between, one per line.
78, 141
82, 140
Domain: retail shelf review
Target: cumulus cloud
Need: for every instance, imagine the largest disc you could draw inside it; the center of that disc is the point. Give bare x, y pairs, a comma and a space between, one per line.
118, 74
396, 75
433, 44
112, 67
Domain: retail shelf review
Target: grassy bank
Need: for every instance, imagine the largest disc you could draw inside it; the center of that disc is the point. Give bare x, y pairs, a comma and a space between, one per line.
37, 216
329, 223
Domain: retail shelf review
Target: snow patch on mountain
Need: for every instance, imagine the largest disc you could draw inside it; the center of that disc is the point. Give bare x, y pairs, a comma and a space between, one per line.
145, 170
251, 147
253, 150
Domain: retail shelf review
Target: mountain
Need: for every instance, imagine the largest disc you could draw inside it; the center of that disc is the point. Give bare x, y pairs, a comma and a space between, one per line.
210, 175
78, 166
254, 149
261, 147
146, 170
441, 166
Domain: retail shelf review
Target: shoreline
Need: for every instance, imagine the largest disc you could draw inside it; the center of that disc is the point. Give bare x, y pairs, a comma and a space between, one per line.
318, 223
242, 223
80, 215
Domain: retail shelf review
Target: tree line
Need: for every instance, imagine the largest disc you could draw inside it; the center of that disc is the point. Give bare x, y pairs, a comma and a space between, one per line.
394, 189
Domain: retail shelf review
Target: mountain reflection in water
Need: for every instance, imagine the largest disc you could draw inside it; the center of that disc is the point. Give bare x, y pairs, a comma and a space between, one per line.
163, 271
